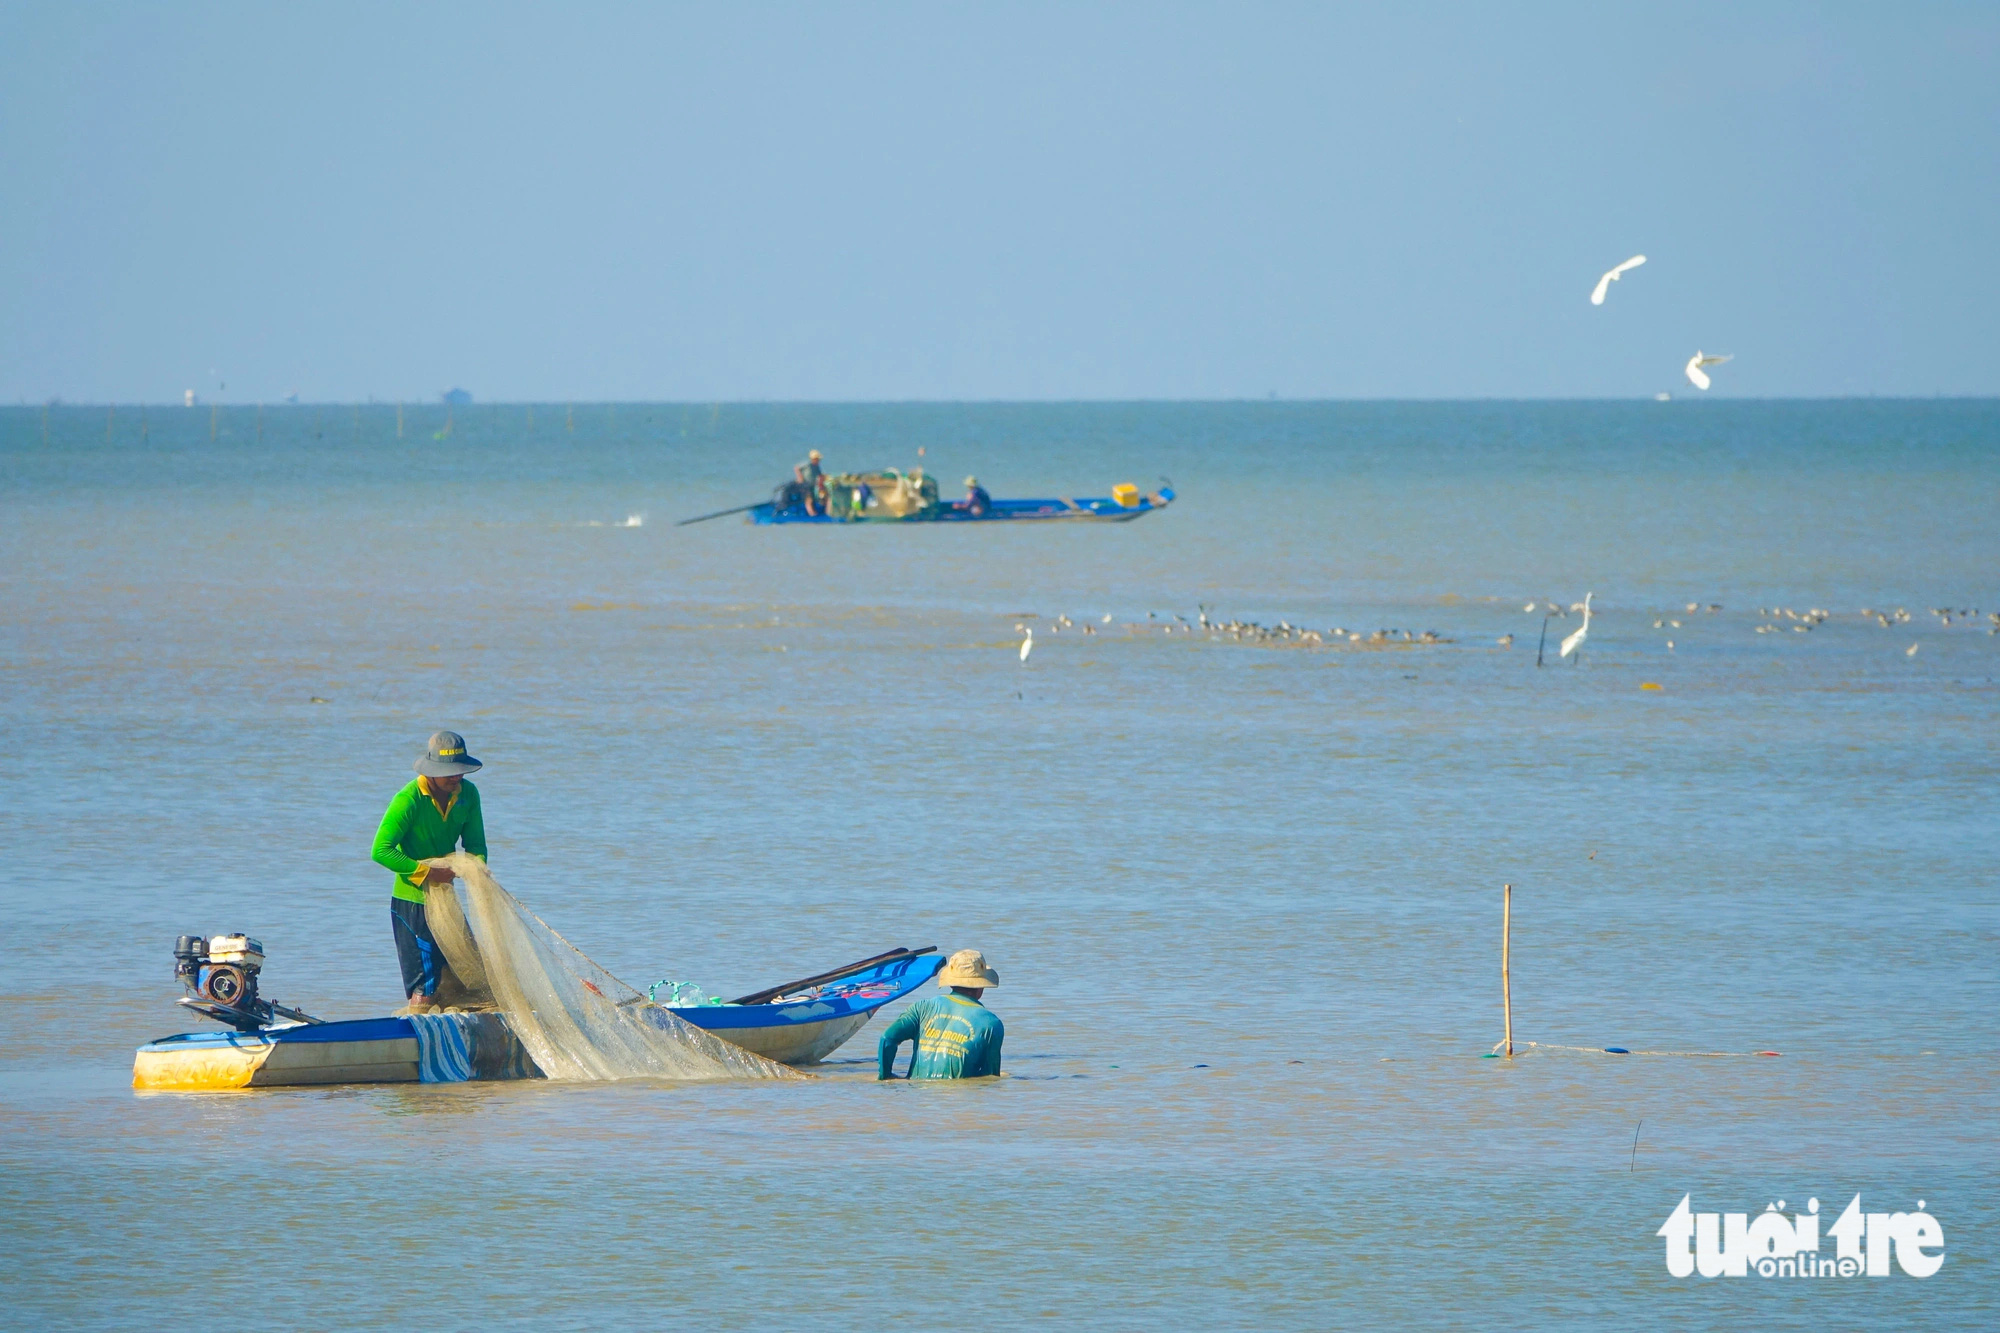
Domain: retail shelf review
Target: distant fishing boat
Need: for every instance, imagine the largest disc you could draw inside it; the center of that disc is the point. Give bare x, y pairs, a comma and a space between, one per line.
1101, 509
893, 496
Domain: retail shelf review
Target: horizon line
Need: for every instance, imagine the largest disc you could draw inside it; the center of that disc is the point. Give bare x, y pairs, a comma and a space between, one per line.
1262, 400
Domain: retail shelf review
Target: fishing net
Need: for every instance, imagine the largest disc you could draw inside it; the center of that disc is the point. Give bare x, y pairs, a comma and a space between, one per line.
890, 493
576, 1019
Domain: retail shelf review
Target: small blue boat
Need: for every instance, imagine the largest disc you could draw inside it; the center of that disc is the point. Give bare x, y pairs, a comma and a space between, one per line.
800, 1022
891, 496
805, 1021
1102, 509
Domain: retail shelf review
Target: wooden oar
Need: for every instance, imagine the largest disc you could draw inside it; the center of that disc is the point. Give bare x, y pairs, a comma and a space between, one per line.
720, 513
759, 997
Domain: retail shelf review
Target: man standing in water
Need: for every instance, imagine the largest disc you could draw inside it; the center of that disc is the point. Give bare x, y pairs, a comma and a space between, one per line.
431, 817
954, 1034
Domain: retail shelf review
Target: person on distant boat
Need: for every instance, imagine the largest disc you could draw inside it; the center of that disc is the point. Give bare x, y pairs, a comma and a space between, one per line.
976, 502
954, 1034
813, 482
433, 816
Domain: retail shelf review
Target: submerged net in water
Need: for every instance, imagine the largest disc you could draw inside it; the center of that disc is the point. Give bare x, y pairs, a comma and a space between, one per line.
576, 1019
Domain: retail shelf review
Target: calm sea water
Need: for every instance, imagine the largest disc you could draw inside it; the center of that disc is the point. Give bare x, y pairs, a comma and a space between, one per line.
1245, 899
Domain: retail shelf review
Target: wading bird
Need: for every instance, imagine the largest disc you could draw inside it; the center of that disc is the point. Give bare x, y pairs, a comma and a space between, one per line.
1575, 641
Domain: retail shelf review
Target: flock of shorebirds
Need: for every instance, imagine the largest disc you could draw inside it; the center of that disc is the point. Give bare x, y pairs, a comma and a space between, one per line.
1806, 622
1772, 620
1284, 632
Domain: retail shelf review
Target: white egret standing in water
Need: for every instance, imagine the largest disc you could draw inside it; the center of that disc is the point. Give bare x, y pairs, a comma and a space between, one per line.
1028, 644
1597, 293
1575, 641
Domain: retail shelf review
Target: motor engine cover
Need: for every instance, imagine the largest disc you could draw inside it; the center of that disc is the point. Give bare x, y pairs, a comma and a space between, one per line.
235, 949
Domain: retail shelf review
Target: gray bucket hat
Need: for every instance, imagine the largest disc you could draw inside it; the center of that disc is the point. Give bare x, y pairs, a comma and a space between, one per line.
446, 757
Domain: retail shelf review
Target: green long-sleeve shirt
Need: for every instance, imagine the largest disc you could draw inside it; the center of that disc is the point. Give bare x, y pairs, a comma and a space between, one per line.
413, 829
956, 1037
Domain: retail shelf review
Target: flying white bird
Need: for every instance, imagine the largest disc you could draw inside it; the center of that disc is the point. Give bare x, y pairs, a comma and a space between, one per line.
1597, 292
1028, 645
1575, 641
1696, 375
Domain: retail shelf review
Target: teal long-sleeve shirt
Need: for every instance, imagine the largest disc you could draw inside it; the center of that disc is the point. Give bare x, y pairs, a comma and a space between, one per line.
955, 1036
413, 829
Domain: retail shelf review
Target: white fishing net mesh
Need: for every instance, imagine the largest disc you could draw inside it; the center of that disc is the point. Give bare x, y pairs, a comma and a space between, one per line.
576, 1019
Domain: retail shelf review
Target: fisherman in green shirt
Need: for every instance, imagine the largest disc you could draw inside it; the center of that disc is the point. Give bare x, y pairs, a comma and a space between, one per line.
954, 1034
430, 817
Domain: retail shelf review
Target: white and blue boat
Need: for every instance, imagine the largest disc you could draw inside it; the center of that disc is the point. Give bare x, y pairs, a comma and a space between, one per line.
797, 1023
803, 1022
890, 496
427, 1048
1100, 509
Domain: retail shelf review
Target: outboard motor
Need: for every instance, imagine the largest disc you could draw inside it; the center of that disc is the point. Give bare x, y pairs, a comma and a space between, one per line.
220, 973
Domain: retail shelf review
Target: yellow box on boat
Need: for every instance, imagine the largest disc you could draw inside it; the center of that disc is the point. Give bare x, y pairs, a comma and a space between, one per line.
1126, 494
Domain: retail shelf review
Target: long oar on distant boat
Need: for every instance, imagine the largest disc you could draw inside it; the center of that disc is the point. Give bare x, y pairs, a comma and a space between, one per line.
720, 513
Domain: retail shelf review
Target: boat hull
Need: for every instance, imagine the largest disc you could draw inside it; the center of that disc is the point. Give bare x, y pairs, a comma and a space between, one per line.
449, 1048
369, 1050
798, 1043
806, 1028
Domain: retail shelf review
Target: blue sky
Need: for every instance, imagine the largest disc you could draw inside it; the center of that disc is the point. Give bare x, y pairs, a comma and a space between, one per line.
994, 202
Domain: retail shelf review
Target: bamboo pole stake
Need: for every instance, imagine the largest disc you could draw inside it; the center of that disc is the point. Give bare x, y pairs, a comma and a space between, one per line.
1506, 944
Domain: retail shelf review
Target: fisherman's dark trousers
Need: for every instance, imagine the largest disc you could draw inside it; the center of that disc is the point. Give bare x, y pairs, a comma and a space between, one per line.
415, 949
